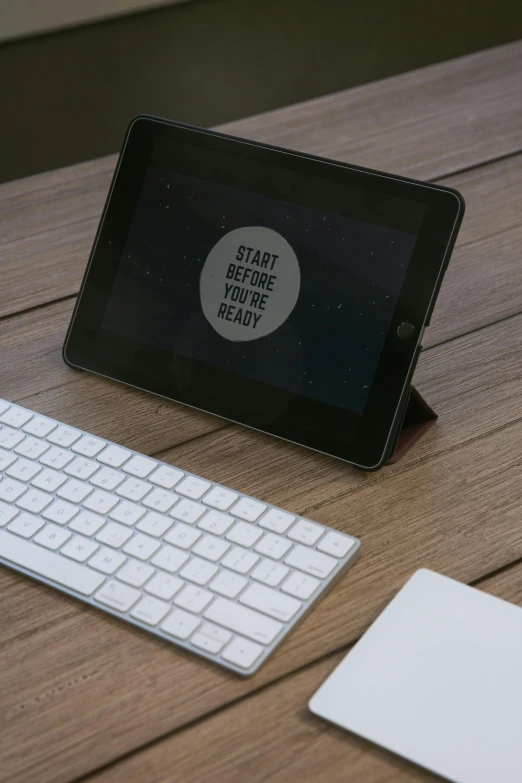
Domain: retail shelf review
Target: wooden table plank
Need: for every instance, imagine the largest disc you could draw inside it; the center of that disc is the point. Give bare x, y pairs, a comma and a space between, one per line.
272, 736
475, 292
463, 111
433, 509
427, 123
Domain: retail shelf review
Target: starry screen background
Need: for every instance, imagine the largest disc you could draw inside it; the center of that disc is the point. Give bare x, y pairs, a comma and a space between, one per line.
351, 276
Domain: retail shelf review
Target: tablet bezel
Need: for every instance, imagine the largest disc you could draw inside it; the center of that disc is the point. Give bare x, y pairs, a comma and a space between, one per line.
361, 440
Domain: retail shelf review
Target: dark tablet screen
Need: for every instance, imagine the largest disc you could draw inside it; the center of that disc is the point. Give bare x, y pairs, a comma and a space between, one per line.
321, 337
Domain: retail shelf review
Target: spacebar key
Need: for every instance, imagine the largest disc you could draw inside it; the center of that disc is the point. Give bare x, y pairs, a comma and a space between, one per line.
53, 567
244, 621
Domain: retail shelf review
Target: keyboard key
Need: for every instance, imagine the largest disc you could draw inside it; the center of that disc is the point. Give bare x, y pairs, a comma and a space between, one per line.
4, 406
311, 562
23, 469
244, 621
114, 535
273, 546
10, 438
150, 610
118, 596
199, 571
166, 477
180, 624
240, 560
135, 573
212, 631
10, 489
277, 521
79, 548
107, 560
25, 525
87, 523
154, 524
228, 584
64, 436
142, 546
306, 532
169, 558
242, 653
6, 458
49, 565
204, 643
220, 498
160, 500
82, 468
32, 448
244, 534
56, 458
248, 509
164, 585
88, 446
127, 512
7, 513
187, 511
114, 456
215, 522
270, 573
34, 500
193, 598
300, 585
139, 466
107, 478
134, 489
335, 544
60, 511
271, 602
193, 487
49, 480
211, 548
75, 491
100, 501
39, 426
52, 537
16, 417
182, 536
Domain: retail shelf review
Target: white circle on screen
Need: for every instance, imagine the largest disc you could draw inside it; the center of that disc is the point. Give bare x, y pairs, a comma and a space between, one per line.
249, 283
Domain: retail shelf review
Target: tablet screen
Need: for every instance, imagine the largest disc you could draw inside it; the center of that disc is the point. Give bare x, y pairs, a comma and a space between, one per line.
272, 290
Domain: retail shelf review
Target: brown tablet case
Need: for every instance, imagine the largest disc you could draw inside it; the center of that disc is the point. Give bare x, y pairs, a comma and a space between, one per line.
418, 417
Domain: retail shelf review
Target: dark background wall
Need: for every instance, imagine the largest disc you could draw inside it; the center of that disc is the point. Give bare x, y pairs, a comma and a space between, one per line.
68, 96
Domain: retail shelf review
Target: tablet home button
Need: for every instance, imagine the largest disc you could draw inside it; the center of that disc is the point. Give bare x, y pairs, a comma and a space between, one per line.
405, 330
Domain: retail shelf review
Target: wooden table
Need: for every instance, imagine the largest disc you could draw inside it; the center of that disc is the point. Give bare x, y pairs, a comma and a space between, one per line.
85, 696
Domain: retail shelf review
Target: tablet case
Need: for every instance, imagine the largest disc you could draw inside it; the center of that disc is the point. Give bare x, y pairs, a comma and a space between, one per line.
417, 417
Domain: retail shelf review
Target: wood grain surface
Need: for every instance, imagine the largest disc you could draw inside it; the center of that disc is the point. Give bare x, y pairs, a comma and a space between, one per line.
434, 508
78, 689
465, 112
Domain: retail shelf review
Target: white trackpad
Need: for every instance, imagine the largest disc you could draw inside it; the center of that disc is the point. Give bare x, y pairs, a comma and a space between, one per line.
437, 679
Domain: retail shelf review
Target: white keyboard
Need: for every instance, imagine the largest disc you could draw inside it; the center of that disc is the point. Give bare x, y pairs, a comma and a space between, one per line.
211, 570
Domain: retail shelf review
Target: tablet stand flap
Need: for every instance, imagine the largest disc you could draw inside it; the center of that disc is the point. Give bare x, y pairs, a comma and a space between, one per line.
418, 418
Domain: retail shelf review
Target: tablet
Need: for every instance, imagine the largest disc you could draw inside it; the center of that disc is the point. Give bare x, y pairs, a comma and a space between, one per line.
276, 289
